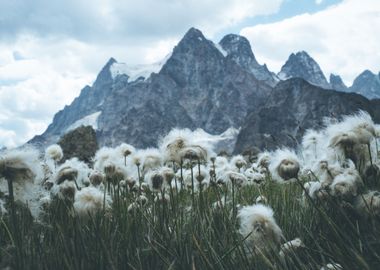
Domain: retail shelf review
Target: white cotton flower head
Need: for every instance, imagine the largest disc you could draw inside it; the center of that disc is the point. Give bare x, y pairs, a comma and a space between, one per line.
347, 184
238, 162
221, 162
291, 246
284, 165
155, 179
258, 222
263, 159
104, 156
362, 125
125, 149
312, 146
238, 179
174, 142
65, 190
326, 171
314, 190
181, 144
368, 204
73, 169
151, 158
21, 165
96, 178
254, 177
54, 152
90, 200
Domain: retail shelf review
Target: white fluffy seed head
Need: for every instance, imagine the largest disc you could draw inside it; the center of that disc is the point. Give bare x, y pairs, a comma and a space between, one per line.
291, 246
347, 184
258, 221
238, 162
90, 200
54, 152
284, 165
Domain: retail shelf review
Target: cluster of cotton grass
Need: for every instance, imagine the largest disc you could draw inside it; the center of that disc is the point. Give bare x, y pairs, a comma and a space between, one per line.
332, 163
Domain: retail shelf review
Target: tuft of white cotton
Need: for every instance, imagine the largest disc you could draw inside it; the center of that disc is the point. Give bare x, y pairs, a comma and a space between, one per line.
74, 170
368, 204
291, 246
180, 144
284, 165
346, 184
314, 190
125, 150
263, 159
150, 159
221, 162
312, 146
90, 200
238, 162
54, 152
254, 177
257, 222
65, 190
155, 179
21, 165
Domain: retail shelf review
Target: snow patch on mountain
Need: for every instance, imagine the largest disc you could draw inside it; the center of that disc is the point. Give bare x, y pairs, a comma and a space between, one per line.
89, 120
137, 71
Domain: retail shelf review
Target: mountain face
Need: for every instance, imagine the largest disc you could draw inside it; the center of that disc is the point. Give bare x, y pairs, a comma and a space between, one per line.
209, 86
293, 107
337, 83
198, 86
367, 84
239, 50
301, 65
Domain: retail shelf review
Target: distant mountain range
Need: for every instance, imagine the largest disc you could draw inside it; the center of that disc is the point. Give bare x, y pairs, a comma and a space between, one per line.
216, 87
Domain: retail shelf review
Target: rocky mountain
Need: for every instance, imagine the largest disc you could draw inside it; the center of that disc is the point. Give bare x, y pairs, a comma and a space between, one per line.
367, 84
294, 106
337, 83
198, 86
302, 65
220, 88
238, 49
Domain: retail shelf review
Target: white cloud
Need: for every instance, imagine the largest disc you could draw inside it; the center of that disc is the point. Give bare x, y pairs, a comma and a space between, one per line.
50, 50
343, 39
318, 2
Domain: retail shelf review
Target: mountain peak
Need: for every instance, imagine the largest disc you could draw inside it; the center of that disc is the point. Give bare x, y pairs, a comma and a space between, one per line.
105, 75
239, 50
194, 34
367, 84
302, 65
337, 83
235, 44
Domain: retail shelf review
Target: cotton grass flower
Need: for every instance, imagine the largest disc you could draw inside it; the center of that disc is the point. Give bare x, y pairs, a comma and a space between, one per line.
54, 152
291, 246
91, 200
257, 222
347, 184
238, 162
284, 165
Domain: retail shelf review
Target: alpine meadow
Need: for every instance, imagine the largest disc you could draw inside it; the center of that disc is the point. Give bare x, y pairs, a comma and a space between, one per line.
201, 159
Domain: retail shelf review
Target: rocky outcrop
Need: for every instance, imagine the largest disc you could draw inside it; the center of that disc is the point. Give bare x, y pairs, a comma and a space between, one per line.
80, 143
293, 107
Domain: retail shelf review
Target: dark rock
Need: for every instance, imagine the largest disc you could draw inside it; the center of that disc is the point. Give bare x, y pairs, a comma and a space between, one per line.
80, 143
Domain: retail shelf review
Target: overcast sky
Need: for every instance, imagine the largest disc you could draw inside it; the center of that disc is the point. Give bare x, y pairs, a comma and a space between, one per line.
50, 49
